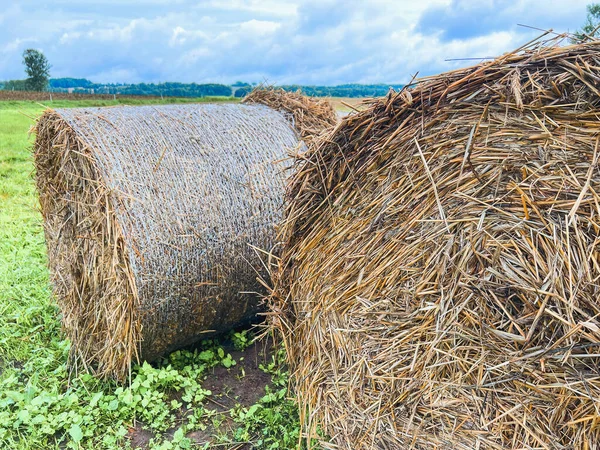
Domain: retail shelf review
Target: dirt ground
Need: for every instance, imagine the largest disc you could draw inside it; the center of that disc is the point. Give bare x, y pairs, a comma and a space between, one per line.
243, 384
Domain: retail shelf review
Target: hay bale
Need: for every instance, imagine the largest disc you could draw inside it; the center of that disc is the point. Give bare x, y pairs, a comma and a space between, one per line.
440, 278
148, 214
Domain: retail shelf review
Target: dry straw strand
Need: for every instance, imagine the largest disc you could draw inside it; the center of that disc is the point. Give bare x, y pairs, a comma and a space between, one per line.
452, 304
311, 116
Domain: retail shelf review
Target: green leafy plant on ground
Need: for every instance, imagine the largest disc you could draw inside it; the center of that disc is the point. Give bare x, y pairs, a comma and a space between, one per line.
48, 410
273, 422
43, 405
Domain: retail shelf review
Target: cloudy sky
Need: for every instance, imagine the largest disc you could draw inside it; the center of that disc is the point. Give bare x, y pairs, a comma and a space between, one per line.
278, 41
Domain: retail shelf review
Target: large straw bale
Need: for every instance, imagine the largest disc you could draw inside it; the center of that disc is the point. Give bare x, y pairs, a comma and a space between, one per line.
439, 283
153, 217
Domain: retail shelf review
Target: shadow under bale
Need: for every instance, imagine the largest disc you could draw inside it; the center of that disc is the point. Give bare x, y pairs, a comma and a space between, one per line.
439, 282
154, 217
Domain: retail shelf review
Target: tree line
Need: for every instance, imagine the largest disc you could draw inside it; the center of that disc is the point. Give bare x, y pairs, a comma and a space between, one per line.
38, 78
171, 89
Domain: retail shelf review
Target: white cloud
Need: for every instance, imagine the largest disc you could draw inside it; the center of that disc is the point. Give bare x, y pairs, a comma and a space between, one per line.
191, 57
181, 36
116, 32
110, 75
288, 41
259, 27
69, 37
16, 45
278, 8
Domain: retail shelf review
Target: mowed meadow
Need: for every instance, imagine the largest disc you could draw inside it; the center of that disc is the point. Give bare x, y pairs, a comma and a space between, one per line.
228, 393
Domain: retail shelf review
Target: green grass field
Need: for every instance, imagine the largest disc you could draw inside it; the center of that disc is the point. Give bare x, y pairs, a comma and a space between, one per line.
166, 406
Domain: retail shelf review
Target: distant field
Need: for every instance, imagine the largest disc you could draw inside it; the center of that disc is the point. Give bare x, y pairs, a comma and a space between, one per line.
341, 103
59, 100
128, 99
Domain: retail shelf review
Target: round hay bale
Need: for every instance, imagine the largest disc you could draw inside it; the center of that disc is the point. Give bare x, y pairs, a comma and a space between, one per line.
149, 213
439, 282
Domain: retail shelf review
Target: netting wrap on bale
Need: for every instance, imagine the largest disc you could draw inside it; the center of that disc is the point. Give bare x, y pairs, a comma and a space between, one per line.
153, 216
439, 285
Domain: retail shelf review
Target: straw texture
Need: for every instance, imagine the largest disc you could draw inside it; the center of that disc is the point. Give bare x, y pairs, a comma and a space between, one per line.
149, 213
311, 116
439, 283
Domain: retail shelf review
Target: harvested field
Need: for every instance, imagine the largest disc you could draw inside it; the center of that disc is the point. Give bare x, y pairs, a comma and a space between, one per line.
439, 282
348, 104
46, 96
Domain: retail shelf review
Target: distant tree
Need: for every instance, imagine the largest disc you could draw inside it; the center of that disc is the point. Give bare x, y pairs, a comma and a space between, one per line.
65, 83
591, 25
37, 69
15, 85
243, 91
343, 90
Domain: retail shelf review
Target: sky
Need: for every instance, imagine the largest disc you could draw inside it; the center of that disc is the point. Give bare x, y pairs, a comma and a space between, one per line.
275, 41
